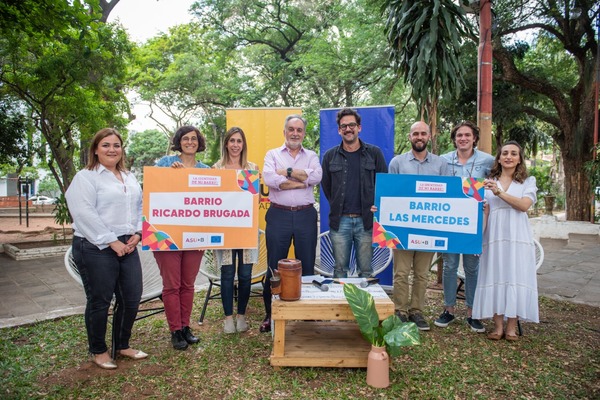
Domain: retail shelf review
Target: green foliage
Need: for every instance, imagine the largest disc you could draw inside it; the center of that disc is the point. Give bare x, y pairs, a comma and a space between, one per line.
425, 39
13, 133
391, 332
69, 74
543, 179
592, 168
145, 148
62, 215
553, 79
48, 186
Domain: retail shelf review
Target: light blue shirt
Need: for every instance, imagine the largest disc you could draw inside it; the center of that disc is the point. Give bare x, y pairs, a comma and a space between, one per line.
167, 161
407, 164
478, 165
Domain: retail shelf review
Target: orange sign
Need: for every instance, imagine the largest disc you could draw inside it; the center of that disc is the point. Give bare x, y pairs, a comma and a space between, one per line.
200, 208
264, 131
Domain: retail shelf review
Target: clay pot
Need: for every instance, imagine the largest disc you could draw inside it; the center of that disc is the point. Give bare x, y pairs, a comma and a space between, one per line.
290, 271
378, 368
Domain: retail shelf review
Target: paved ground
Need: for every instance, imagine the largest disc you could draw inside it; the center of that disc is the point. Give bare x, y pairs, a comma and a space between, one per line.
40, 289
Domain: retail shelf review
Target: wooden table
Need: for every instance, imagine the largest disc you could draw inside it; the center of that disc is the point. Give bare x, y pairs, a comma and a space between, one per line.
319, 330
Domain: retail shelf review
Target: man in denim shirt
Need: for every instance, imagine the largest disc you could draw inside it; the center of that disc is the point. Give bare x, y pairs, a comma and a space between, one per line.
466, 161
349, 185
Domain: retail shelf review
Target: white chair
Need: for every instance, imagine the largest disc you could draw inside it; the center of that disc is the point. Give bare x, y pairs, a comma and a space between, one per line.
210, 268
151, 279
539, 259
325, 263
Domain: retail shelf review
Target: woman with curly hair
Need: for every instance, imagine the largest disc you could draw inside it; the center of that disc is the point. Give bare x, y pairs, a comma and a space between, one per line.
179, 269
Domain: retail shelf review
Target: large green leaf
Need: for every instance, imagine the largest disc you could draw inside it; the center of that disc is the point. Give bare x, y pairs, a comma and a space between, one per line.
402, 334
363, 307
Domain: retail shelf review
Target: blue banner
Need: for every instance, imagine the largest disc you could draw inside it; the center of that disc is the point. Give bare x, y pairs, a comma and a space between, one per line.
378, 129
441, 214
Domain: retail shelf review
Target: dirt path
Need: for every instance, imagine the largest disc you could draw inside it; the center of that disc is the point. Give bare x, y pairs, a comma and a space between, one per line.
40, 228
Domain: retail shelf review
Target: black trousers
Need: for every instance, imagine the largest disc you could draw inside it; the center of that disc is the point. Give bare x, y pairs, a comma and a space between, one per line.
282, 228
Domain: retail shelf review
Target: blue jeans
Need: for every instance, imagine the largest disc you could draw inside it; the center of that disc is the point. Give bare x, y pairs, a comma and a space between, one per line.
471, 267
105, 274
352, 232
244, 282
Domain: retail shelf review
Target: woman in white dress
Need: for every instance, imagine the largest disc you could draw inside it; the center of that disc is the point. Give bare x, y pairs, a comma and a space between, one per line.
507, 282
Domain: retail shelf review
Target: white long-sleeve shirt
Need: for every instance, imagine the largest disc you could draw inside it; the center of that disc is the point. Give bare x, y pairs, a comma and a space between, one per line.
102, 207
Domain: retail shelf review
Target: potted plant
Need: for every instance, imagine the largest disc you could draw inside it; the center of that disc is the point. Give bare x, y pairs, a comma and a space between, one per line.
386, 337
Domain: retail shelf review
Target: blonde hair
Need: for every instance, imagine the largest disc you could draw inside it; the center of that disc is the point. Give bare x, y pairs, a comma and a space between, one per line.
225, 153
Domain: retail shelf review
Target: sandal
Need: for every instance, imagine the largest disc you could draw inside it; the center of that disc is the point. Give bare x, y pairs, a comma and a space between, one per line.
495, 336
511, 338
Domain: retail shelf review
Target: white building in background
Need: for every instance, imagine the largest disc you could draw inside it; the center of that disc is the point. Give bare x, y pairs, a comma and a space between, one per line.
8, 185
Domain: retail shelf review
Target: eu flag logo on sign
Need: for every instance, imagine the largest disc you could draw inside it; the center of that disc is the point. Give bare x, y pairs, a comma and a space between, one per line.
215, 239
439, 243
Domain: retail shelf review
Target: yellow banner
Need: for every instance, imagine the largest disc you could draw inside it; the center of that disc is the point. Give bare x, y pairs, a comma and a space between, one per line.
264, 131
198, 208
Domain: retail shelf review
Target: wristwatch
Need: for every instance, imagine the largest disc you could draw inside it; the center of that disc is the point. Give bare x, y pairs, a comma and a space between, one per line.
289, 172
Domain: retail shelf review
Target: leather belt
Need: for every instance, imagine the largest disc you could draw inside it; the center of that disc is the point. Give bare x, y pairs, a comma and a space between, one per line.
352, 215
291, 208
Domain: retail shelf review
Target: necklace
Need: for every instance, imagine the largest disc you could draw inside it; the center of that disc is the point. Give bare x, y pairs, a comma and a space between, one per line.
457, 161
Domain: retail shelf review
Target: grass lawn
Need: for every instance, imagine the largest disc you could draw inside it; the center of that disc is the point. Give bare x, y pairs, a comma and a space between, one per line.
556, 359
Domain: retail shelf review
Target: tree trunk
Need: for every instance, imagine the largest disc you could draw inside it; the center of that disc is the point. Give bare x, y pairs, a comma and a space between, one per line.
432, 112
577, 189
574, 123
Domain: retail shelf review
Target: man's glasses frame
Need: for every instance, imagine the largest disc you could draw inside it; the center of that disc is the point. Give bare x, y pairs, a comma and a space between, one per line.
351, 125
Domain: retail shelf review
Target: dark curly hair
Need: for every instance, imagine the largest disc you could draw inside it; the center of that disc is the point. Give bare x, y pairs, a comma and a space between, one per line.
346, 112
520, 171
184, 130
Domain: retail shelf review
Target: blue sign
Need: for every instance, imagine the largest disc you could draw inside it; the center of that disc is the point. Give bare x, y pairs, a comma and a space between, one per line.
441, 214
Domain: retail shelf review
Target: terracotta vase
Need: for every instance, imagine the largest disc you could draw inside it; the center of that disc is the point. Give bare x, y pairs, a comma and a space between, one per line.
378, 368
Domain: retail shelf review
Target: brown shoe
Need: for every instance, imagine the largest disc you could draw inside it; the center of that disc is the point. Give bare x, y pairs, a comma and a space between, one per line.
494, 336
511, 338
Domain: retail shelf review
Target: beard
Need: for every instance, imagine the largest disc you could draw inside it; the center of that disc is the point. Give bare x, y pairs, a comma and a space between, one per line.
293, 146
419, 146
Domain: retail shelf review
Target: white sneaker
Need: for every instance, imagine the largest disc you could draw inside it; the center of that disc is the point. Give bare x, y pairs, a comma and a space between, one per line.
229, 326
242, 325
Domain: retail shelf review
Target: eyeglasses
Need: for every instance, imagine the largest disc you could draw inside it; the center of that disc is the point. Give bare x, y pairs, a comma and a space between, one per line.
351, 125
189, 139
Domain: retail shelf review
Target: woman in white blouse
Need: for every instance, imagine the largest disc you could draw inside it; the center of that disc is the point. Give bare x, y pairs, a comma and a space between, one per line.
105, 201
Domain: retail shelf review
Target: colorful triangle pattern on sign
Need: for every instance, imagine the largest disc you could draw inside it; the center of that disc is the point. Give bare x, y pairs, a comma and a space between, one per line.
473, 187
249, 180
383, 238
154, 239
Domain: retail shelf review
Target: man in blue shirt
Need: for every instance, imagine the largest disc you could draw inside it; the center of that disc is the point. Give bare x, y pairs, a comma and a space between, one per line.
466, 161
349, 185
418, 161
